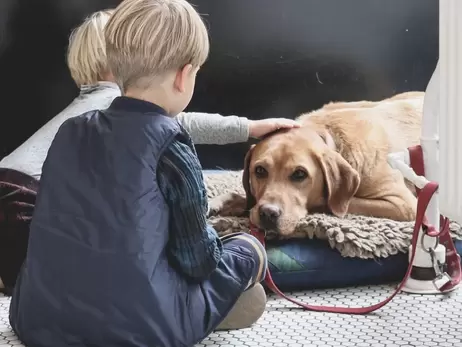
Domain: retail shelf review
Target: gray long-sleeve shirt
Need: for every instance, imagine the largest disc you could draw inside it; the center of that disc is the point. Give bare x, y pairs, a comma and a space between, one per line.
204, 128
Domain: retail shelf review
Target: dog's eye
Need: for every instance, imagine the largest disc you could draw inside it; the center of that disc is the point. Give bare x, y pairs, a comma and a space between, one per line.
261, 172
299, 175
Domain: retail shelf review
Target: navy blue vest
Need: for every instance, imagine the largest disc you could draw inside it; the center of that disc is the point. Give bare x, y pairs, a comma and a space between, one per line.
96, 272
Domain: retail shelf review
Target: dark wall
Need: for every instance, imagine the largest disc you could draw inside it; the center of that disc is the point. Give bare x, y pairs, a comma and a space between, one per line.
269, 58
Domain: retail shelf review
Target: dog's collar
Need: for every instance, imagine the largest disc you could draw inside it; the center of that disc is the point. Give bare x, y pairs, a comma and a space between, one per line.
256, 231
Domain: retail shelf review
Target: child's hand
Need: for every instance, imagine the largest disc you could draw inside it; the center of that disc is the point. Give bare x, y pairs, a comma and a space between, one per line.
259, 128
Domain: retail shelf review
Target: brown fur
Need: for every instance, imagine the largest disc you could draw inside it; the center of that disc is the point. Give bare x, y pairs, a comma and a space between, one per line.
342, 148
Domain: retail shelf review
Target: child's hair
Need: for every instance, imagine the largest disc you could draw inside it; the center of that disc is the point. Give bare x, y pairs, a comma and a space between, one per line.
147, 38
86, 54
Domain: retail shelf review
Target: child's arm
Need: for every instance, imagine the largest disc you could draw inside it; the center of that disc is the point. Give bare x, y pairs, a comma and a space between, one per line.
194, 246
210, 128
214, 129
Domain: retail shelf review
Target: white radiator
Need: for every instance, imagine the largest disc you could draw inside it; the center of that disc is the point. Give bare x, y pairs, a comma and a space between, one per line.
449, 115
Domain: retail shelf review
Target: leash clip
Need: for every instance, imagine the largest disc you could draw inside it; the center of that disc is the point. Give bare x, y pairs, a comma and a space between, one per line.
438, 267
442, 277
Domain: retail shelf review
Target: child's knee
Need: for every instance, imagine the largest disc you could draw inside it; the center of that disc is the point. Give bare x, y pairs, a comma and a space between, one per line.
256, 251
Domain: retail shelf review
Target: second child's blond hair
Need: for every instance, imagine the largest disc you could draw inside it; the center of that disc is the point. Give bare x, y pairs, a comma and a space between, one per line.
86, 54
147, 38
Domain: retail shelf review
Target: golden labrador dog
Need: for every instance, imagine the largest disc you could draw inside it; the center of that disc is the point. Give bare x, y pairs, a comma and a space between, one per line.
336, 162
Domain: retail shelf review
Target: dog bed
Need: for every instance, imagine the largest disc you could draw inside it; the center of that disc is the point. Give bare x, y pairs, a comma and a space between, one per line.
328, 251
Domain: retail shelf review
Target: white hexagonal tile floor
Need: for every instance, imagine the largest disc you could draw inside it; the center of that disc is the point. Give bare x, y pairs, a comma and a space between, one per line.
408, 321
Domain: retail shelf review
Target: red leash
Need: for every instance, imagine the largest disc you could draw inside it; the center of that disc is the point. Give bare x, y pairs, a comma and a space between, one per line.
452, 258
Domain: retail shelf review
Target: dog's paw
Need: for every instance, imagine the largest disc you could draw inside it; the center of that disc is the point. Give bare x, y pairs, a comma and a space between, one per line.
235, 206
215, 206
227, 205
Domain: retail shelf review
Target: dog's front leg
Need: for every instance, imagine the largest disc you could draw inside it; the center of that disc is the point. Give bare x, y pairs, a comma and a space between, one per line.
228, 205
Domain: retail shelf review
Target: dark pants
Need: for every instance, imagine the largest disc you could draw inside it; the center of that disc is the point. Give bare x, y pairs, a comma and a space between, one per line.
17, 201
243, 264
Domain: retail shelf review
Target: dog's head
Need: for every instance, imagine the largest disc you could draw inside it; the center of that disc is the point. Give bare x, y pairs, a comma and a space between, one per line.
294, 172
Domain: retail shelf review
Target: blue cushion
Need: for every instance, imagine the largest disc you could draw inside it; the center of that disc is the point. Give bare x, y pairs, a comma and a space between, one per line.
308, 264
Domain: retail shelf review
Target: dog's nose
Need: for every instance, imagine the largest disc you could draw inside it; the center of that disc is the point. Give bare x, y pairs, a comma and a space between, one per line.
269, 215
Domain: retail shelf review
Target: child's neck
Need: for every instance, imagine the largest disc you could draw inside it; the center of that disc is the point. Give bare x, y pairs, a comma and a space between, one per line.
156, 96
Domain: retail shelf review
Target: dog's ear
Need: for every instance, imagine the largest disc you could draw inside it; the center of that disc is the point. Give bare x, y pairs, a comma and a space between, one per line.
246, 179
328, 139
342, 182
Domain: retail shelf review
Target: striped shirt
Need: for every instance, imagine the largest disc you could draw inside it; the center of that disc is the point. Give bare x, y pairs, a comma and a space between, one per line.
194, 246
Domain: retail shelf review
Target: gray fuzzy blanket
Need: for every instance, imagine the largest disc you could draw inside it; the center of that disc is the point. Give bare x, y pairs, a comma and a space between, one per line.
353, 236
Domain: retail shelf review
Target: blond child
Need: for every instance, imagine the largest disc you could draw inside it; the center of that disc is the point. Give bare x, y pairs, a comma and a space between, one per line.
86, 59
120, 253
